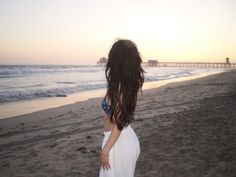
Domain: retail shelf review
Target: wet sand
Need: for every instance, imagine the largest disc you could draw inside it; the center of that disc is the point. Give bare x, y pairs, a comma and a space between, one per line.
186, 129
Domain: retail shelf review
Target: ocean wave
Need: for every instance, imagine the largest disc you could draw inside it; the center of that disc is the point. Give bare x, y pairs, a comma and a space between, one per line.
24, 70
53, 80
7, 96
61, 82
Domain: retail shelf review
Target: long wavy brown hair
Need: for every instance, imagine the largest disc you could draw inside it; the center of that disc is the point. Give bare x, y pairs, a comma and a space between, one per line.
125, 77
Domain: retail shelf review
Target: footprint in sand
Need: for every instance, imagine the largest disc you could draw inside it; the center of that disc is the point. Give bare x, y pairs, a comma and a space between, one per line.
22, 165
42, 175
53, 145
36, 126
82, 149
54, 132
5, 164
73, 173
94, 151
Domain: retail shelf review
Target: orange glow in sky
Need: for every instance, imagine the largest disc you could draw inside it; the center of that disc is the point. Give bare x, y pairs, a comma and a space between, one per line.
80, 32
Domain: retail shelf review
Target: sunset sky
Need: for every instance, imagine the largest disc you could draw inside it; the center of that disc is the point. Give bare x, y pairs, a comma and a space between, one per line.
82, 31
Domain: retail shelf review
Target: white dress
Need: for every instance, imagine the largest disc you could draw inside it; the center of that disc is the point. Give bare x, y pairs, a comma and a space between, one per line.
123, 155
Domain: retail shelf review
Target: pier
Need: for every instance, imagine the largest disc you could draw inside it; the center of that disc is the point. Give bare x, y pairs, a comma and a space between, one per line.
156, 63
225, 64
192, 64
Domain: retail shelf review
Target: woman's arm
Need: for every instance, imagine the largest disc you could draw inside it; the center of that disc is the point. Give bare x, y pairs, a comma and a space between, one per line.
115, 133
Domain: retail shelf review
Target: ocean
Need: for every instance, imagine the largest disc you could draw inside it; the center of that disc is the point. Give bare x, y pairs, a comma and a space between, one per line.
24, 82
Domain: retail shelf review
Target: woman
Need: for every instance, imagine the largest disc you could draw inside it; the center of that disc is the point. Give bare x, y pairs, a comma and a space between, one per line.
125, 76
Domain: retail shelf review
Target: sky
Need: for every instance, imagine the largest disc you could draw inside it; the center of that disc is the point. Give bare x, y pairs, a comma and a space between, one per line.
82, 31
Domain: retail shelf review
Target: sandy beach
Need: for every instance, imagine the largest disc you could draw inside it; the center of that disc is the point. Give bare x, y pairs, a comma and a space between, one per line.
186, 129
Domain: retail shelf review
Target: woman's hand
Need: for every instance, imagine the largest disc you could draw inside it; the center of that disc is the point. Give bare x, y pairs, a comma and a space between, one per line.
104, 160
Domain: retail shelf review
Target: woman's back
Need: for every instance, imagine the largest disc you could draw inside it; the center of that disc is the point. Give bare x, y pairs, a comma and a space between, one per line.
120, 146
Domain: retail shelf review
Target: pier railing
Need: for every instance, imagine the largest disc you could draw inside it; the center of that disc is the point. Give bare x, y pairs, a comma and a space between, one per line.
191, 64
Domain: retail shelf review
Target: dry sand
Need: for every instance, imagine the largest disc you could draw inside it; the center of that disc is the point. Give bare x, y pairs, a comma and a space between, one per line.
186, 129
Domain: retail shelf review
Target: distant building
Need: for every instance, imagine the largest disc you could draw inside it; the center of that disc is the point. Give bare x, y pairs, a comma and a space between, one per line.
152, 62
227, 61
102, 60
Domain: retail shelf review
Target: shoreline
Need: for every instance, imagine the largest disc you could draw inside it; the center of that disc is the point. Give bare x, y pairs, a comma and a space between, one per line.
184, 128
19, 108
